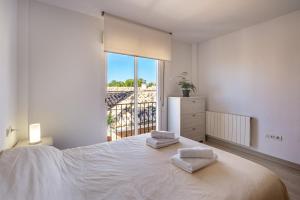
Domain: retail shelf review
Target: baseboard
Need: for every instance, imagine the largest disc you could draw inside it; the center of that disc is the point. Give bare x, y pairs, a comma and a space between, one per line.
250, 151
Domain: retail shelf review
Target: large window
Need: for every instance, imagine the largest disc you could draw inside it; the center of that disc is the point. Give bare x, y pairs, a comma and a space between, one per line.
131, 95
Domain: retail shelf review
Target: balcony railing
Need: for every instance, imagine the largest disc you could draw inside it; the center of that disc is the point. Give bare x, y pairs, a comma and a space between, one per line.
121, 119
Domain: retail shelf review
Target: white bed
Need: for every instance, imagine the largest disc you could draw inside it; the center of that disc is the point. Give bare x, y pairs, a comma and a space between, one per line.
128, 169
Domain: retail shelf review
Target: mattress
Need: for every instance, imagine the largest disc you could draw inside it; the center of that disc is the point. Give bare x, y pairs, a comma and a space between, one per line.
128, 169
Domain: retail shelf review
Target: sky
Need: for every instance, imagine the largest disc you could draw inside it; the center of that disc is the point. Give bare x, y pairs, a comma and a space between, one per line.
121, 67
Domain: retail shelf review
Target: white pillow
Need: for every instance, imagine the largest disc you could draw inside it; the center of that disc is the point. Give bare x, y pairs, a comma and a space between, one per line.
31, 173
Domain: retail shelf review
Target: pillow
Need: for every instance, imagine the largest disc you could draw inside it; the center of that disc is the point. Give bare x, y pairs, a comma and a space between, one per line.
31, 173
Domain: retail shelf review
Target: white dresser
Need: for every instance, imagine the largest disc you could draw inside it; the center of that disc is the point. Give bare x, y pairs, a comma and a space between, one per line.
186, 117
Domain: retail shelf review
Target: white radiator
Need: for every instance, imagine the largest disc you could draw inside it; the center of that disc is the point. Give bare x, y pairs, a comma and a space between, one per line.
229, 127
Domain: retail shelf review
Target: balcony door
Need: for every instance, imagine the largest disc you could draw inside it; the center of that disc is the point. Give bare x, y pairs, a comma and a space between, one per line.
132, 94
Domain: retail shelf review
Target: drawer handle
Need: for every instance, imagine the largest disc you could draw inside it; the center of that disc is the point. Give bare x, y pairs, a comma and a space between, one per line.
194, 115
193, 129
194, 101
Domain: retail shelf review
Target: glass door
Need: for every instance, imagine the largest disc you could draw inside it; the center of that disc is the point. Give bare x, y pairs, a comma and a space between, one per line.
131, 83
146, 94
120, 99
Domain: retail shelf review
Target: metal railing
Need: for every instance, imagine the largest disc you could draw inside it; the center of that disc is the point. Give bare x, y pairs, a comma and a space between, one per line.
121, 119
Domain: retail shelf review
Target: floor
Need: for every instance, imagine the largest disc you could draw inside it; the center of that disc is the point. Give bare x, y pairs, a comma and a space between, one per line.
290, 176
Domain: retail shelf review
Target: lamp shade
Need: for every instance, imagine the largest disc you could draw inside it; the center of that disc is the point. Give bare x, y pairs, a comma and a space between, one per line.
34, 133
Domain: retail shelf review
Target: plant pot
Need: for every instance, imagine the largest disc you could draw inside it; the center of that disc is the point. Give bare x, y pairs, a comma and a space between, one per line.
186, 93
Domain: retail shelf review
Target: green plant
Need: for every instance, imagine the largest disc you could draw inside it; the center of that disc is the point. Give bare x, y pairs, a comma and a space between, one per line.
110, 120
185, 83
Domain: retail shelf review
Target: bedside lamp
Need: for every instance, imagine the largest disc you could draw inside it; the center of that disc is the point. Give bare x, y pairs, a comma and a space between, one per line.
34, 133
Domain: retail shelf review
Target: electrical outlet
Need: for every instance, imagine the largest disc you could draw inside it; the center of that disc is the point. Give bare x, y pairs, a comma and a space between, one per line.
279, 138
274, 137
9, 131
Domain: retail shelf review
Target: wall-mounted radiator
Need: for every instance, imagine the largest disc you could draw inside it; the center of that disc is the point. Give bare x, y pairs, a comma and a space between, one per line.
229, 127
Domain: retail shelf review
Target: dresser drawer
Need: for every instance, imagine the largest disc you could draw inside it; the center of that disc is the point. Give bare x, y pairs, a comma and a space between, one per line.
192, 105
193, 120
186, 117
194, 133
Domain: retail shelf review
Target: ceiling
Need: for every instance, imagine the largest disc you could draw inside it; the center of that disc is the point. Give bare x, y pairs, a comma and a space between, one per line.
188, 20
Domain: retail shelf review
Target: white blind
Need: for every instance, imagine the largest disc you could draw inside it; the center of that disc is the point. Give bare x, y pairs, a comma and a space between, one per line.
124, 37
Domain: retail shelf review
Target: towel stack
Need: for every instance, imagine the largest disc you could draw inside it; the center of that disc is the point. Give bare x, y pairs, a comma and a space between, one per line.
161, 139
193, 159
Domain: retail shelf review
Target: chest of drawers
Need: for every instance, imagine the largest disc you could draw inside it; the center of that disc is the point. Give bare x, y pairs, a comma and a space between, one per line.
186, 117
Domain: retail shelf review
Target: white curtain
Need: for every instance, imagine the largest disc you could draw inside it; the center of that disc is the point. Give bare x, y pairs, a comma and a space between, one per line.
125, 37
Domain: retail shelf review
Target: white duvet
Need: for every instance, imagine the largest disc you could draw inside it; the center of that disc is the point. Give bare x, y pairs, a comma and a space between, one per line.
129, 169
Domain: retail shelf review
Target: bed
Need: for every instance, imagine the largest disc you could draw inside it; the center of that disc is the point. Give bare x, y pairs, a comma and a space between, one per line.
128, 169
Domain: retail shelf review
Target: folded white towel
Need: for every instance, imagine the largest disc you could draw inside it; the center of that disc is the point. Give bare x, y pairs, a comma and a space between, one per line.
162, 134
159, 143
192, 164
196, 152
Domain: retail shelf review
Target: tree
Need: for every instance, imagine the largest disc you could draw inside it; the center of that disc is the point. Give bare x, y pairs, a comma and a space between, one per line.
150, 84
140, 82
129, 83
126, 83
115, 83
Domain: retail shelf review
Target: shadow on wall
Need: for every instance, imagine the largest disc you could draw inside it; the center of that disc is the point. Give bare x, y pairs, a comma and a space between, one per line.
254, 131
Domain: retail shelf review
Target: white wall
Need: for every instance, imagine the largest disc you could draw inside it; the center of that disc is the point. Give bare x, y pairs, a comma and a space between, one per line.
66, 75
8, 70
181, 62
66, 84
23, 68
256, 72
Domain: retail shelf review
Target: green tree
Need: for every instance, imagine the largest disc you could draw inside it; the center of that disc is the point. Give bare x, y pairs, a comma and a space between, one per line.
115, 83
112, 83
140, 82
150, 84
129, 83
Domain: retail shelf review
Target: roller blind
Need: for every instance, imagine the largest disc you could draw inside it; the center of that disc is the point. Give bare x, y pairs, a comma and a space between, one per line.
126, 37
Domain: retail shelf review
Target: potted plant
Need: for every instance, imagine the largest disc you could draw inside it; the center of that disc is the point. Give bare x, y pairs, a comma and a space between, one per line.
186, 85
110, 123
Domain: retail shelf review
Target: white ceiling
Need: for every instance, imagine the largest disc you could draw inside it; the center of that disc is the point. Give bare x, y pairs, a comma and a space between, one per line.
188, 20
